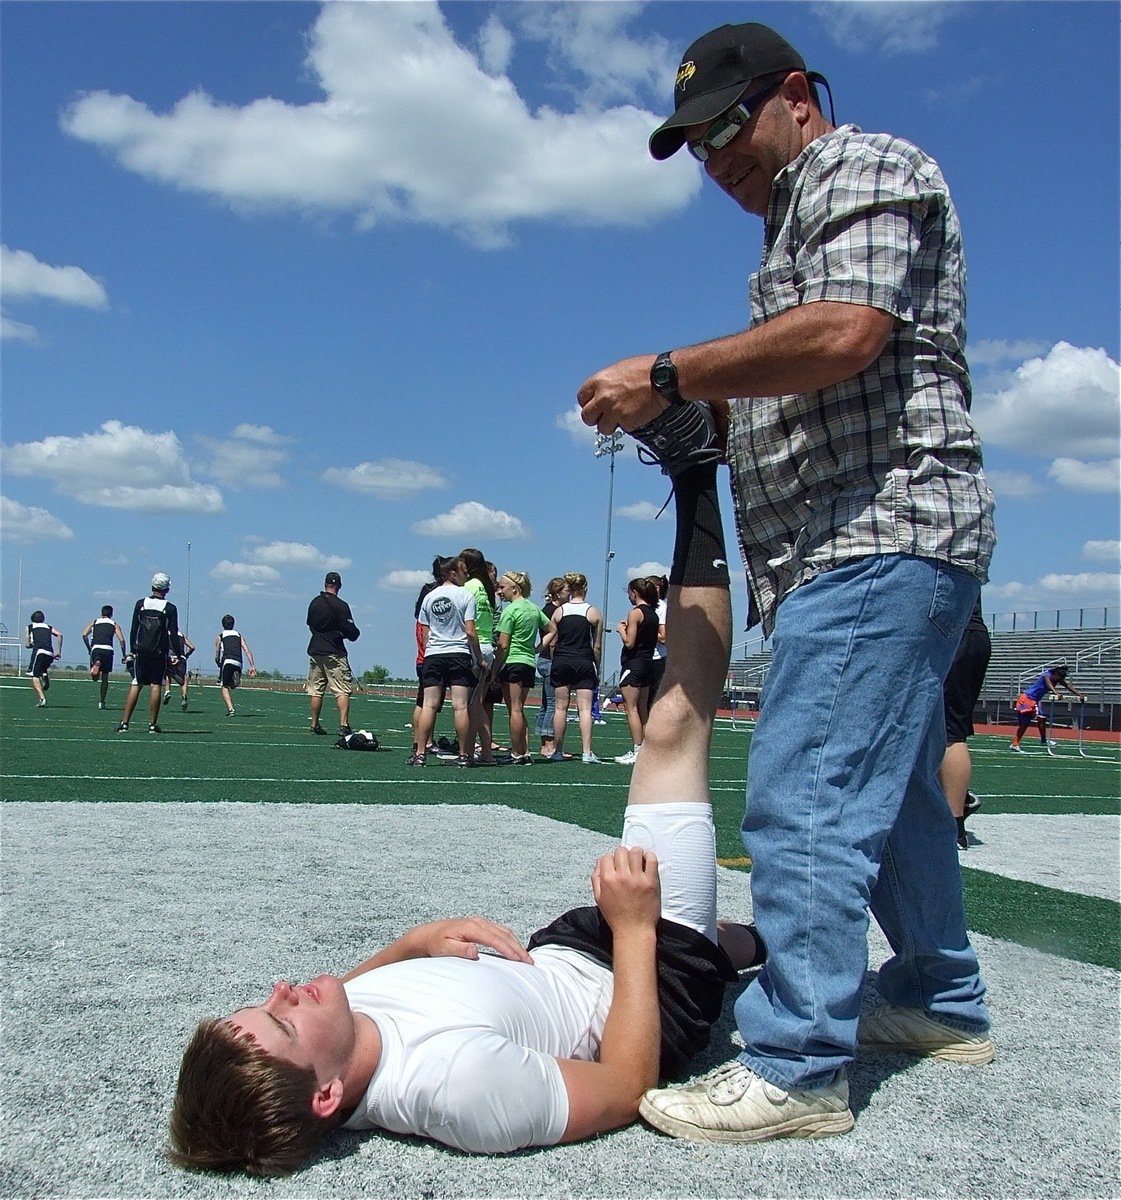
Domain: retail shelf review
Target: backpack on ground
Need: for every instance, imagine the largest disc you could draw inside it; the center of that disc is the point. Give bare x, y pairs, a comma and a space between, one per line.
360, 739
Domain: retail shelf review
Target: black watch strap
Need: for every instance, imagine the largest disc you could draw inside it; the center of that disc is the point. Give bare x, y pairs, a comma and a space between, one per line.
663, 378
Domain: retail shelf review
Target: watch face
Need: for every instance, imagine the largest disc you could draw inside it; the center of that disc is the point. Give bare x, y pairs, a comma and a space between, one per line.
663, 376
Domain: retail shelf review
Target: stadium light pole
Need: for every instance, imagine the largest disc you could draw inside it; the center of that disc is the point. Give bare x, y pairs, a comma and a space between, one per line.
187, 613
608, 444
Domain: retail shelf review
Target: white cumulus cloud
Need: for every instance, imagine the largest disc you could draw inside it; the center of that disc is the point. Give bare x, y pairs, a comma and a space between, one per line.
642, 511
25, 523
991, 352
1079, 476
653, 567
389, 70
248, 458
119, 466
571, 422
1067, 403
389, 478
1011, 485
405, 581
17, 331
889, 26
473, 520
246, 573
1102, 551
24, 277
296, 554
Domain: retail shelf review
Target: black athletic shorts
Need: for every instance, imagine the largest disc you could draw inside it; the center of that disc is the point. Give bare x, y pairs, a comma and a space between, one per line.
964, 682
149, 668
636, 672
523, 673
420, 689
231, 674
448, 670
577, 673
692, 975
103, 658
41, 662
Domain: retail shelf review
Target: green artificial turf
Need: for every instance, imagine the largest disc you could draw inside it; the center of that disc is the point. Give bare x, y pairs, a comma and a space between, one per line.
69, 751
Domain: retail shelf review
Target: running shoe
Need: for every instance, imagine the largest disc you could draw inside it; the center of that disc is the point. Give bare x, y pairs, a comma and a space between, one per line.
680, 437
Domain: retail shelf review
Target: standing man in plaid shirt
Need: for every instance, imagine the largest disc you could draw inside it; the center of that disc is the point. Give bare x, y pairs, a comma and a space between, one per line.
865, 524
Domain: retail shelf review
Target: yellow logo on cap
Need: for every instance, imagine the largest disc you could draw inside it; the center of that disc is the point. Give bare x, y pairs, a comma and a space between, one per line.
684, 73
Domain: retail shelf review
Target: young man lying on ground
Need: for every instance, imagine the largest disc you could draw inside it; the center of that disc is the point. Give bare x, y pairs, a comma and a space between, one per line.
495, 1052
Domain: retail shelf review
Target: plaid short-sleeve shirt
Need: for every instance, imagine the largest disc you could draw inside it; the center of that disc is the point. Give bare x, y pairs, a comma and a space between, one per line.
887, 462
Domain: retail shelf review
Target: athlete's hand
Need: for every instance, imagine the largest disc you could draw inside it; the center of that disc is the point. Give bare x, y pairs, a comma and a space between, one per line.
620, 396
461, 937
626, 888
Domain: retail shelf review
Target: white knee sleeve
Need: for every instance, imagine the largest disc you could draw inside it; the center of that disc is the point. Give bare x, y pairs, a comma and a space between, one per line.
684, 839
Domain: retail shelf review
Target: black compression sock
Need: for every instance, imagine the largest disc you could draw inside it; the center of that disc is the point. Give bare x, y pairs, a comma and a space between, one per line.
699, 556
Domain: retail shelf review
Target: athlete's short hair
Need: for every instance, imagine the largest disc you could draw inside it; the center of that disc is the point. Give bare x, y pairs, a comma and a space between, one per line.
228, 621
237, 1108
37, 615
106, 610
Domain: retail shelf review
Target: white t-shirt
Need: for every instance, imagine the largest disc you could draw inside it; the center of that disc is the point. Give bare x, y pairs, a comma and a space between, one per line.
445, 611
660, 647
469, 1047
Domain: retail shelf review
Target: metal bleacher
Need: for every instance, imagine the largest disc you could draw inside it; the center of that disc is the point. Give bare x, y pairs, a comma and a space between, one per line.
1092, 654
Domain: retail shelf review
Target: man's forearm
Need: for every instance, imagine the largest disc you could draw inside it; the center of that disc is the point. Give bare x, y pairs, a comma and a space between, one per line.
802, 350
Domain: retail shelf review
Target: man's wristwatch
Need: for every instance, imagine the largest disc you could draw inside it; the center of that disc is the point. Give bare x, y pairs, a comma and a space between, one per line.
663, 379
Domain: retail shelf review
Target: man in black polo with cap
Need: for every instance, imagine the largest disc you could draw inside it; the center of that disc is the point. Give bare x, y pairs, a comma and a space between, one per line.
331, 627
866, 529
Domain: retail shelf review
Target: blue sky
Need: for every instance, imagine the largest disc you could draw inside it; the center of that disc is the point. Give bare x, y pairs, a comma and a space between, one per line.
313, 287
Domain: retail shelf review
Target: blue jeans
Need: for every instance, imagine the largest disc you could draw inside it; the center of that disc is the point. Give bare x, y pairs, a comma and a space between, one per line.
845, 813
544, 724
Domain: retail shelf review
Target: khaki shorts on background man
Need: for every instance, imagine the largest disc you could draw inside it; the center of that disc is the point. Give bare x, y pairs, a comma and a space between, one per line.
329, 671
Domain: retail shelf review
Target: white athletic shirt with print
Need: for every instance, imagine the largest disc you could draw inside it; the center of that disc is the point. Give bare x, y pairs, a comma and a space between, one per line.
469, 1047
445, 611
660, 647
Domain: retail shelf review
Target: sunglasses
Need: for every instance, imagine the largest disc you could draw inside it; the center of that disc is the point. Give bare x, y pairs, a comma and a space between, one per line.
725, 127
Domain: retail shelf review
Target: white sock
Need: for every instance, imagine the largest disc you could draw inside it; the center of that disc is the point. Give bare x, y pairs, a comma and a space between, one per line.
683, 837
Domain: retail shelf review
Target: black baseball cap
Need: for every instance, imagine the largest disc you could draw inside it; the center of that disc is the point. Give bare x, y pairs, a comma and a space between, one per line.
715, 72
334, 579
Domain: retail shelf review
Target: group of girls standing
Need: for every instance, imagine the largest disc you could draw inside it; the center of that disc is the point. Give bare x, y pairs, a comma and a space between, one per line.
480, 637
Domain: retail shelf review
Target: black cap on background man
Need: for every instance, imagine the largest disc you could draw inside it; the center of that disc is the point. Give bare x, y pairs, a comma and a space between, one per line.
333, 580
716, 72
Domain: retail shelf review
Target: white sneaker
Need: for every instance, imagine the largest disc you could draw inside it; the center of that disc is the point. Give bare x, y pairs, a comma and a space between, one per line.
888, 1027
628, 759
1015, 749
733, 1104
590, 758
599, 721
101, 704
41, 704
